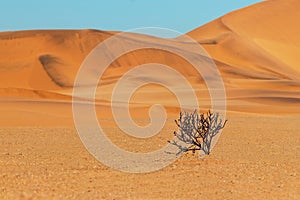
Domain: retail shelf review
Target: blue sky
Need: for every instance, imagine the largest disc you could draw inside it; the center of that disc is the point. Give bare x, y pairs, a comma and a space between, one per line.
179, 15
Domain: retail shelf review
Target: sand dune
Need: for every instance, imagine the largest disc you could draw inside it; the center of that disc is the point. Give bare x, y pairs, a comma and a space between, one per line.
256, 38
257, 58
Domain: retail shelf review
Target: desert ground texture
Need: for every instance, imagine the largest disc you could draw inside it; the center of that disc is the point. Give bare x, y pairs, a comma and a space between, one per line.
256, 50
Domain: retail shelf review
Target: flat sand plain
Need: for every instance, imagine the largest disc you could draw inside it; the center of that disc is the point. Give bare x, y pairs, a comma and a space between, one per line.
256, 157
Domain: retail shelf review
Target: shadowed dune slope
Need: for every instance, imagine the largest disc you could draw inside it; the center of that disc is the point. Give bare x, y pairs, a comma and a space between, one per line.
44, 59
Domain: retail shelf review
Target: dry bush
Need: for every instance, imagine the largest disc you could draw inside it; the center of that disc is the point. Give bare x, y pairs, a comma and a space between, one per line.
196, 131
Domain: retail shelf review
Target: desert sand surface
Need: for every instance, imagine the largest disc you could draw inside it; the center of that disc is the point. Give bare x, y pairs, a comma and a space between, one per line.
252, 160
257, 156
